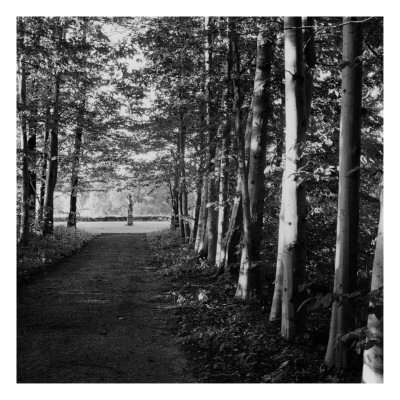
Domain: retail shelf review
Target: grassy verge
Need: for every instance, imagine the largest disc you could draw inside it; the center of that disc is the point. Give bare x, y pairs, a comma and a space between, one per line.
229, 341
43, 252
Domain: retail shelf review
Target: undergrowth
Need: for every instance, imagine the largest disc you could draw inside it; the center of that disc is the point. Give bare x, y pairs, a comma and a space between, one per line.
229, 341
42, 252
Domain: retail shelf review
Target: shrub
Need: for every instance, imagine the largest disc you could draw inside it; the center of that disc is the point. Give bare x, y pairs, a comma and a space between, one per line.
45, 251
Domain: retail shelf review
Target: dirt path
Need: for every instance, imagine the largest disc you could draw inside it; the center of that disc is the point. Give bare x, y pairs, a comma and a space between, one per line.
98, 317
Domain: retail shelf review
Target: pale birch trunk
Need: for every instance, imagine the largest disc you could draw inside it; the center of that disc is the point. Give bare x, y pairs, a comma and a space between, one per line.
342, 319
373, 356
294, 200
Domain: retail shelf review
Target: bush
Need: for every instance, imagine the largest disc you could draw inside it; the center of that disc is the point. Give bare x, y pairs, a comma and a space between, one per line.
45, 251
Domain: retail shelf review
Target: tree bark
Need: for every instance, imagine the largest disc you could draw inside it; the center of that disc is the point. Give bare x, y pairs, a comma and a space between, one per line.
342, 319
233, 234
309, 58
75, 165
294, 200
244, 289
258, 141
78, 144
211, 227
226, 104
200, 247
32, 165
186, 227
52, 161
43, 172
21, 74
373, 357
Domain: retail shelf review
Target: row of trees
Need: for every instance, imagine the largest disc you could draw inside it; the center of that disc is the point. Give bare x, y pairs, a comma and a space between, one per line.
244, 114
286, 76
74, 84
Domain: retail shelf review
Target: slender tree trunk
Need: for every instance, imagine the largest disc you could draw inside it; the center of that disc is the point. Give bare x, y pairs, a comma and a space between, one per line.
201, 231
75, 164
43, 172
185, 211
52, 161
197, 207
24, 226
342, 319
52, 165
32, 167
212, 189
226, 104
232, 237
373, 356
244, 289
310, 58
295, 201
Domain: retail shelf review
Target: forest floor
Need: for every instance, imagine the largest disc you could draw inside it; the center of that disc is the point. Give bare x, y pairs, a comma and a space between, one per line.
99, 316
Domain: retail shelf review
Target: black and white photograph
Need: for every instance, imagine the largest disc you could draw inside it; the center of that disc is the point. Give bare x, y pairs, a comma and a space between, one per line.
199, 199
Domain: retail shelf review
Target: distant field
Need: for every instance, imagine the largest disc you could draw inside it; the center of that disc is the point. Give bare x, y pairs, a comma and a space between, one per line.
120, 226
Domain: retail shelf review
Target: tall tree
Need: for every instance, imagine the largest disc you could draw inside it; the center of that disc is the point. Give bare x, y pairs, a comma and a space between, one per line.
78, 136
226, 106
309, 60
52, 160
21, 103
294, 200
249, 276
342, 319
212, 215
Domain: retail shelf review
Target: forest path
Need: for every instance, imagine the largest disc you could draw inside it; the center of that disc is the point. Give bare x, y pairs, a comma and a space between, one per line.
99, 317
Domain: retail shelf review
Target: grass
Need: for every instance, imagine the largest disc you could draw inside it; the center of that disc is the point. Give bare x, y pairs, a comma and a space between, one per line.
45, 251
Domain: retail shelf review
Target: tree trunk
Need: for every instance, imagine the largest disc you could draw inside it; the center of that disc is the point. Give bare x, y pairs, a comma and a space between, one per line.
43, 172
212, 217
52, 161
226, 105
196, 211
232, 237
310, 58
24, 226
75, 165
32, 166
211, 227
276, 307
200, 247
186, 227
373, 356
244, 289
294, 200
258, 141
342, 319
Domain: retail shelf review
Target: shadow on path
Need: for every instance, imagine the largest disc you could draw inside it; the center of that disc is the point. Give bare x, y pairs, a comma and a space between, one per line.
98, 317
